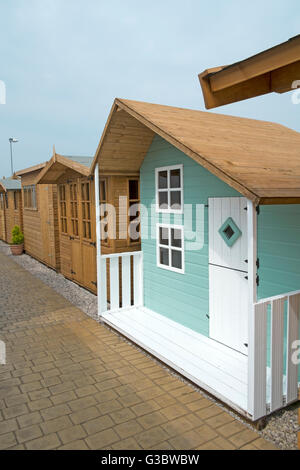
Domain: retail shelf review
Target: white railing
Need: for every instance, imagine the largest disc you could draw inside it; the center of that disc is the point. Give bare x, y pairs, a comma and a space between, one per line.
121, 281
274, 331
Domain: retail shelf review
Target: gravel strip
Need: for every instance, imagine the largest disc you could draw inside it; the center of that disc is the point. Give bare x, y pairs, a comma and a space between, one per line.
281, 428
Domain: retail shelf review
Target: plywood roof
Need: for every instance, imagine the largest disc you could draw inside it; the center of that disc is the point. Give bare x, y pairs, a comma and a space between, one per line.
8, 184
259, 159
273, 70
30, 169
58, 165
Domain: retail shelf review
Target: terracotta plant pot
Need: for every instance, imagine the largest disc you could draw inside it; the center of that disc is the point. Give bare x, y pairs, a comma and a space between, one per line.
17, 249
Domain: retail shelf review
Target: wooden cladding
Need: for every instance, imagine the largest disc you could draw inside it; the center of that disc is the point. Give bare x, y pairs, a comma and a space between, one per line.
29, 196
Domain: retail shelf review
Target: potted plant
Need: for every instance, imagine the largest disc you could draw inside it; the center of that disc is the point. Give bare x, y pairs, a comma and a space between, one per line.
17, 243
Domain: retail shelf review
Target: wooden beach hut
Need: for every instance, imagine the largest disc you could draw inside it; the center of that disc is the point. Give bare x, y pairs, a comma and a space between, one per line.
76, 214
216, 285
40, 220
10, 207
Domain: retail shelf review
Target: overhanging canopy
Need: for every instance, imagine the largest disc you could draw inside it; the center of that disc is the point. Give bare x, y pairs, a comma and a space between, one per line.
273, 70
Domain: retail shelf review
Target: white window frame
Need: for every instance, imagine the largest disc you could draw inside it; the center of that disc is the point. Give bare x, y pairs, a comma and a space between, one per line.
169, 189
169, 247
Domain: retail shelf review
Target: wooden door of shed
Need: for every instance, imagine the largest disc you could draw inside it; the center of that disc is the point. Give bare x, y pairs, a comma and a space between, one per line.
88, 235
47, 229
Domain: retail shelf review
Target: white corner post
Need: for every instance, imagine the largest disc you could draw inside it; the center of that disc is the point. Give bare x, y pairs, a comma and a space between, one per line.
98, 236
256, 374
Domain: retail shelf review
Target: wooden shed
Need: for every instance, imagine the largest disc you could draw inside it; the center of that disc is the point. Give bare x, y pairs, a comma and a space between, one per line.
10, 207
273, 70
40, 219
217, 281
76, 214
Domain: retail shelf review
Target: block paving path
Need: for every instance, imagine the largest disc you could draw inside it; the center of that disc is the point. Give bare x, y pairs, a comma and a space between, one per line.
71, 383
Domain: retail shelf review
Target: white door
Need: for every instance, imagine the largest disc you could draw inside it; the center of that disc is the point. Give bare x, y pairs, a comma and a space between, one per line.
228, 271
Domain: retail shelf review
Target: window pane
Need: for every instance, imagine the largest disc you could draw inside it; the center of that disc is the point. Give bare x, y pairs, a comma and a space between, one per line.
175, 200
176, 259
176, 238
175, 179
163, 199
163, 236
133, 189
164, 256
162, 180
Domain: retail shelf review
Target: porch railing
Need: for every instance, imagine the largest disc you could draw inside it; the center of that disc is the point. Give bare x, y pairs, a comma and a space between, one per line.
273, 343
121, 281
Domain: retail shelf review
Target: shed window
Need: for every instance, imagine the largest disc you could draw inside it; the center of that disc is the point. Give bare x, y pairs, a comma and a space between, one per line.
63, 208
170, 247
15, 200
74, 209
29, 193
169, 189
86, 210
6, 200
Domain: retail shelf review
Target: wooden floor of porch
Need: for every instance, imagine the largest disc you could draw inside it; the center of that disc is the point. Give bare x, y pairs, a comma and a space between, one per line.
213, 366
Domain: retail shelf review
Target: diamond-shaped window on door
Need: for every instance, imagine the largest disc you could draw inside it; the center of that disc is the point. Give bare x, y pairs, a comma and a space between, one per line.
230, 232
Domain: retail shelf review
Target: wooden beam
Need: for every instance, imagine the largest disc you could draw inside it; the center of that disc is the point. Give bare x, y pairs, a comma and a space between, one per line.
259, 64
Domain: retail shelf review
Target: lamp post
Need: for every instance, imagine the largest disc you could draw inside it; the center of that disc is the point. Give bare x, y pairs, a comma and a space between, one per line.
12, 140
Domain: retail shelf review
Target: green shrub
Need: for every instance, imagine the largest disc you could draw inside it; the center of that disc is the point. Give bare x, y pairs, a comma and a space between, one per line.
17, 236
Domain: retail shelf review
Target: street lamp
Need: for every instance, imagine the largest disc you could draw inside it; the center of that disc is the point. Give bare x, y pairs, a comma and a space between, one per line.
12, 140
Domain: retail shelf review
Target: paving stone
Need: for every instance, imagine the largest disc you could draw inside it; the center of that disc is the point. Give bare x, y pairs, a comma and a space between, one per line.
56, 424
55, 411
152, 419
28, 434
29, 419
75, 445
128, 429
243, 438
7, 426
15, 411
48, 442
84, 415
120, 416
102, 439
7, 440
72, 433
93, 426
151, 437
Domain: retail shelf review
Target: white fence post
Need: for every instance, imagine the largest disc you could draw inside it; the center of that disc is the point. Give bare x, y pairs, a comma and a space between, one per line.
98, 237
292, 335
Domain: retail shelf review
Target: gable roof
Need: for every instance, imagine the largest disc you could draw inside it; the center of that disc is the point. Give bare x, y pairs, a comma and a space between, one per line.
272, 70
58, 164
31, 169
8, 184
259, 159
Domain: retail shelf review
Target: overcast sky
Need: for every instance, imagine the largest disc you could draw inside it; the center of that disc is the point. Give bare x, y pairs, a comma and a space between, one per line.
64, 61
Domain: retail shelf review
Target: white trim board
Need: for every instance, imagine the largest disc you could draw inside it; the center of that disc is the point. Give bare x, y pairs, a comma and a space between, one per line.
214, 367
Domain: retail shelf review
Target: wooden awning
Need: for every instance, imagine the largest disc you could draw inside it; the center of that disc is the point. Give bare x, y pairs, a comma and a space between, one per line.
260, 159
273, 70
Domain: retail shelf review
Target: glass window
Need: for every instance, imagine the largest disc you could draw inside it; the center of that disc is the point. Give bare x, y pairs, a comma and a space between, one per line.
29, 193
169, 189
170, 248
